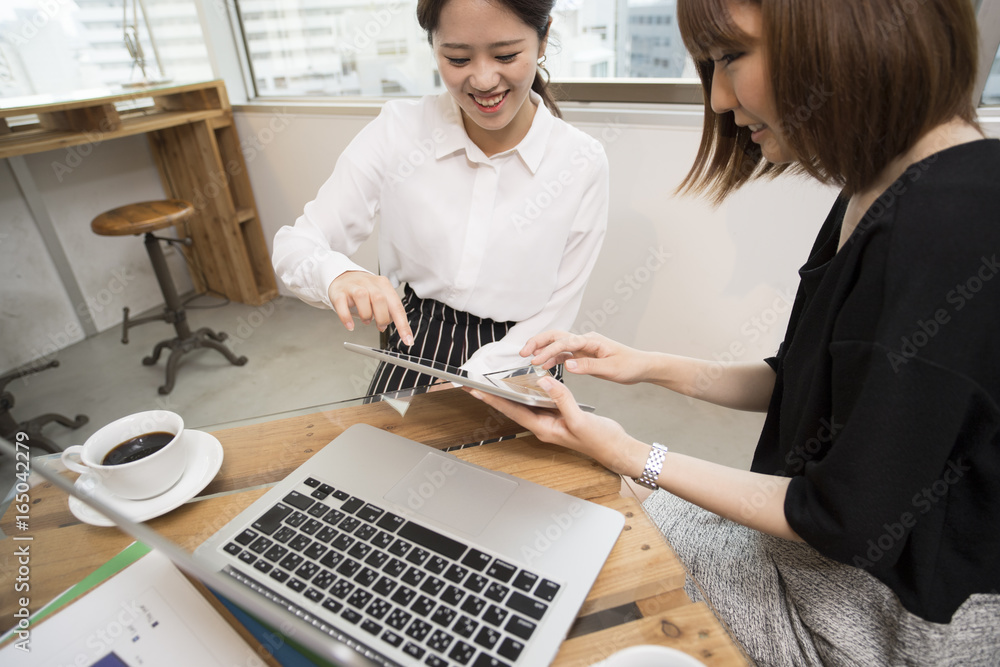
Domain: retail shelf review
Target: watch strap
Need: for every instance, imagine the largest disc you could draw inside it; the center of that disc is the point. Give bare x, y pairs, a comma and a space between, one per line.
654, 464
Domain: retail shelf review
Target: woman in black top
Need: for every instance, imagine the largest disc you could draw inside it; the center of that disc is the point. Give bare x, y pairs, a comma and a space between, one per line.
868, 528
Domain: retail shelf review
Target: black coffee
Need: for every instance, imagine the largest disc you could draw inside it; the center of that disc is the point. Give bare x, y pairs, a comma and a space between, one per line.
137, 448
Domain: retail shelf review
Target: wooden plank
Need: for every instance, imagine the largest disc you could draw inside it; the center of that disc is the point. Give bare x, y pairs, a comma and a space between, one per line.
255, 270
690, 628
214, 195
231, 157
188, 176
190, 100
97, 118
36, 139
549, 465
641, 565
670, 600
167, 146
32, 104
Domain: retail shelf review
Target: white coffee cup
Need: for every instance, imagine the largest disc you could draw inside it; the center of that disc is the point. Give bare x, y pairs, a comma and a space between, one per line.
135, 480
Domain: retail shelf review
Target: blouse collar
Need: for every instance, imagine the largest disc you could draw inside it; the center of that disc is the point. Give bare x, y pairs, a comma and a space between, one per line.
531, 148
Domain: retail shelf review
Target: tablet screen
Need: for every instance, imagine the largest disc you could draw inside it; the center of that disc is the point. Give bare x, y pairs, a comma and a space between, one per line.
518, 384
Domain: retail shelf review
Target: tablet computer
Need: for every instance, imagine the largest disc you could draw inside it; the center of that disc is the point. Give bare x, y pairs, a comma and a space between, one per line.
518, 385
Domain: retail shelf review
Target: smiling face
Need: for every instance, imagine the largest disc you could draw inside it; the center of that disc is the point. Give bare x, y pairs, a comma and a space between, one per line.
488, 57
741, 84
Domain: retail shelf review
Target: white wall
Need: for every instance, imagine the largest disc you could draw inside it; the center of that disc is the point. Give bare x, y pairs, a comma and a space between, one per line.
675, 274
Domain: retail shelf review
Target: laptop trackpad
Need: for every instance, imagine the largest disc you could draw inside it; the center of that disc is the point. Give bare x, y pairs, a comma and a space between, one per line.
440, 488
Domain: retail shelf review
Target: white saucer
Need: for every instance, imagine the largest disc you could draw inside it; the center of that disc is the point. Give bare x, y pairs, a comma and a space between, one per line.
204, 461
647, 655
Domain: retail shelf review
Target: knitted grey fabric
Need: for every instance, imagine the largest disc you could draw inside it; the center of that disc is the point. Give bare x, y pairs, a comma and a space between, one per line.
788, 605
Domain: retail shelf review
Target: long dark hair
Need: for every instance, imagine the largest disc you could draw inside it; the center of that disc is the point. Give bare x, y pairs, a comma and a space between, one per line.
535, 13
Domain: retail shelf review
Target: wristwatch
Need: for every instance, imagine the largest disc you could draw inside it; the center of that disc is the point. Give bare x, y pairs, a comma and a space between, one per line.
654, 464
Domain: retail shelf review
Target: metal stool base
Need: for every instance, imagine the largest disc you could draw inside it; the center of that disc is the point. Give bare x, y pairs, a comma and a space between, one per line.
173, 313
203, 337
10, 427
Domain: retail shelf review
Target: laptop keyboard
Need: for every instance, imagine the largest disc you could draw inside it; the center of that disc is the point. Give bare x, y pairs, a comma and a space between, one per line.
436, 599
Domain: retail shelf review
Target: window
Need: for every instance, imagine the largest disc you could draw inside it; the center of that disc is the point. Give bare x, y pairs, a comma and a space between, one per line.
600, 50
991, 94
591, 40
53, 46
989, 28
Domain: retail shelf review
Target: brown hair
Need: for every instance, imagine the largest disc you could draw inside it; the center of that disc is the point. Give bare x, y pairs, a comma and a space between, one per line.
534, 13
856, 85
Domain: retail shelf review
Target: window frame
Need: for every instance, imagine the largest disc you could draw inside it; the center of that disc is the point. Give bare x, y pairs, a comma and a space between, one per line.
988, 18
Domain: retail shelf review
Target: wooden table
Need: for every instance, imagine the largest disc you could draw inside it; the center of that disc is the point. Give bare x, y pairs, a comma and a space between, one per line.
199, 156
638, 597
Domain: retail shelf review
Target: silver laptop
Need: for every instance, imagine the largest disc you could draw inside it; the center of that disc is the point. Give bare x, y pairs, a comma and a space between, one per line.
381, 550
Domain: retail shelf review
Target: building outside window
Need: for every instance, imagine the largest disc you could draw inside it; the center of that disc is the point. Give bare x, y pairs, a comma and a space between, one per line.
57, 46
327, 48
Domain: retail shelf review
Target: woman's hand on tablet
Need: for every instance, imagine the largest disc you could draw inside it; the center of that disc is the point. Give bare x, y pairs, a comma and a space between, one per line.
600, 438
373, 298
586, 354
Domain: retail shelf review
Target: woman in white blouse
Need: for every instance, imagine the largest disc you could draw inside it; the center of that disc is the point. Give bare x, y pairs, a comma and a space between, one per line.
492, 208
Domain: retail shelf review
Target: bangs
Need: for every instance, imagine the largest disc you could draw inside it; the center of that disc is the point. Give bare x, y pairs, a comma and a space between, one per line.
706, 25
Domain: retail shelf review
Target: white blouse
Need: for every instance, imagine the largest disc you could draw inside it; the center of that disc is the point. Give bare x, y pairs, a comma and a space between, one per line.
511, 237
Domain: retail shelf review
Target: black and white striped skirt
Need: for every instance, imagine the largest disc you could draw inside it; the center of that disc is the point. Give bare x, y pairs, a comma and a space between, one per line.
440, 333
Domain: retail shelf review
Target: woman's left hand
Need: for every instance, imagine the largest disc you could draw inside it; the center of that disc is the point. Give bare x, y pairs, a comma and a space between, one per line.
600, 438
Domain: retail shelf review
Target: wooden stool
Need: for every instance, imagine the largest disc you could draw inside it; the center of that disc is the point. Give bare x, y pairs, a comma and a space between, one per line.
146, 218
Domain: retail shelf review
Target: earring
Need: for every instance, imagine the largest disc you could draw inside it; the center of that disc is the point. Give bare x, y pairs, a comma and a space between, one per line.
541, 61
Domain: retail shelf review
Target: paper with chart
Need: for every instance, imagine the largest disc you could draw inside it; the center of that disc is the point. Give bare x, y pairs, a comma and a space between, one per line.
148, 615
